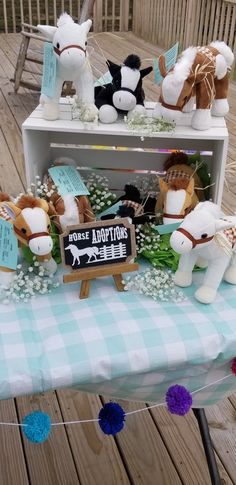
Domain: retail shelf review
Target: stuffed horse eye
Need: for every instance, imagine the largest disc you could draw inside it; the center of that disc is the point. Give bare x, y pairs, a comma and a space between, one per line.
23, 230
86, 43
58, 45
203, 236
48, 227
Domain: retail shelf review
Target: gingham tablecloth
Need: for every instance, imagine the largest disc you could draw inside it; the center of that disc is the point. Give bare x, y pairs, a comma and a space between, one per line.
120, 344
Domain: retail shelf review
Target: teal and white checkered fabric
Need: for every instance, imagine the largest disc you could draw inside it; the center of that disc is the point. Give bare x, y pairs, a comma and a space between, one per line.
120, 344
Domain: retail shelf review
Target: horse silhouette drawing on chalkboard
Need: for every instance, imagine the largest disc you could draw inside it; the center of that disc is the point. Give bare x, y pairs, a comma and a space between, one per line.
91, 252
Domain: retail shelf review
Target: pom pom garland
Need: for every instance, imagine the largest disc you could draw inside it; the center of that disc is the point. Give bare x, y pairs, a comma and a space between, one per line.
233, 366
37, 426
178, 400
111, 418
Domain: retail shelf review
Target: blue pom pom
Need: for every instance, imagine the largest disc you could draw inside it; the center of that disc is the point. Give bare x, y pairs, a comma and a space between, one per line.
38, 426
111, 418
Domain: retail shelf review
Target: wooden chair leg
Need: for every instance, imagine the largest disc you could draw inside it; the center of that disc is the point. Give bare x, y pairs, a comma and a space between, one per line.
20, 62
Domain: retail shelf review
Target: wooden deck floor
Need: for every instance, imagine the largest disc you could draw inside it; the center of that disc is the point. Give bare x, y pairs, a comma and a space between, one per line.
155, 448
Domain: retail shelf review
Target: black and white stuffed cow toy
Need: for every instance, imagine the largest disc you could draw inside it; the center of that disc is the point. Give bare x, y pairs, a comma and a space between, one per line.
125, 93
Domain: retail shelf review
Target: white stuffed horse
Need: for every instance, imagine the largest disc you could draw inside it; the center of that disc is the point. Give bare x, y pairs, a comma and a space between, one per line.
203, 233
69, 43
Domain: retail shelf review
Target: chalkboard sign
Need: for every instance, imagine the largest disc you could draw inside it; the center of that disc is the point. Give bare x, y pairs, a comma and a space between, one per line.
98, 243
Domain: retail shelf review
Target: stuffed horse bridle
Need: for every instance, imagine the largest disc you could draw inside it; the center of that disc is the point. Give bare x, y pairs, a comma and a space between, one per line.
72, 46
194, 241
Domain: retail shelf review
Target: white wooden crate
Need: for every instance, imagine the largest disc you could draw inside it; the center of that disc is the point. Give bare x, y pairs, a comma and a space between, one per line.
43, 141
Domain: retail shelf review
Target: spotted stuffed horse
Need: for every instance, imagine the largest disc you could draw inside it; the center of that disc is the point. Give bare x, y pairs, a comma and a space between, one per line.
202, 75
180, 189
31, 224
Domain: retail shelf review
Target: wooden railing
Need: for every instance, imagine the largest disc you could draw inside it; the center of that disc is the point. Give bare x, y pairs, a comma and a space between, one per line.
191, 22
108, 15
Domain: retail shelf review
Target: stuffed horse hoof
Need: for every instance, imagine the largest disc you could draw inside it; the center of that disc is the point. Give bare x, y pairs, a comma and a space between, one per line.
6, 278
230, 275
107, 114
49, 266
89, 113
182, 278
201, 119
205, 294
138, 110
220, 107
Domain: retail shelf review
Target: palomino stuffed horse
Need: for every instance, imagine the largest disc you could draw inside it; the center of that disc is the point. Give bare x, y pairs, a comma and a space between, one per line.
125, 93
69, 43
31, 226
204, 233
200, 72
179, 192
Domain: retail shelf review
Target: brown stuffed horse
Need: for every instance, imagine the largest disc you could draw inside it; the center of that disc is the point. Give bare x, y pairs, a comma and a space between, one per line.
200, 72
31, 224
179, 192
66, 210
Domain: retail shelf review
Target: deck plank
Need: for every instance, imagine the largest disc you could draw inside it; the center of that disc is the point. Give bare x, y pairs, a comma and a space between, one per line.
12, 462
144, 451
49, 463
96, 455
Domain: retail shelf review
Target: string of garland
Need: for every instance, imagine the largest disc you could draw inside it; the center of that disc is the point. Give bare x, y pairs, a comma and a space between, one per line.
37, 425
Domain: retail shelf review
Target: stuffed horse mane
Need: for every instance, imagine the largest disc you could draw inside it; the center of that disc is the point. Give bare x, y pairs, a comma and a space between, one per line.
200, 72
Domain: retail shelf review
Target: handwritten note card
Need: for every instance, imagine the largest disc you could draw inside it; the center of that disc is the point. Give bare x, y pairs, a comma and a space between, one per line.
68, 180
170, 60
8, 245
167, 228
111, 210
49, 71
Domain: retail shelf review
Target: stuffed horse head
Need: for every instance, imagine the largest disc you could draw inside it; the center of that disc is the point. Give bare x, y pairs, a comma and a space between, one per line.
178, 189
125, 93
31, 225
69, 41
200, 72
204, 233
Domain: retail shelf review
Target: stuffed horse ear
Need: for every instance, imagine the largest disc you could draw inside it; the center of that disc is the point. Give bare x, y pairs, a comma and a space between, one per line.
113, 68
163, 185
47, 30
146, 71
86, 26
44, 205
222, 224
190, 187
11, 209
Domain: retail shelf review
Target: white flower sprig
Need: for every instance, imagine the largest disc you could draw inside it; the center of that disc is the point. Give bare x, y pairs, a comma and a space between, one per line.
146, 125
28, 282
156, 283
100, 196
147, 238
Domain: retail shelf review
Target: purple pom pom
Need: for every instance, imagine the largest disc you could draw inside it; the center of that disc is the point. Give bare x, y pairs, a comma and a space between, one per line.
111, 418
179, 400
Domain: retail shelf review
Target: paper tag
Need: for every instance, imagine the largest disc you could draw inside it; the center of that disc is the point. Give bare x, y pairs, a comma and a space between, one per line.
170, 60
49, 71
104, 79
68, 180
167, 228
8, 245
110, 210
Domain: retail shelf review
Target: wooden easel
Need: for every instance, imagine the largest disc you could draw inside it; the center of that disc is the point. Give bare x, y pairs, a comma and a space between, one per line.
87, 275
